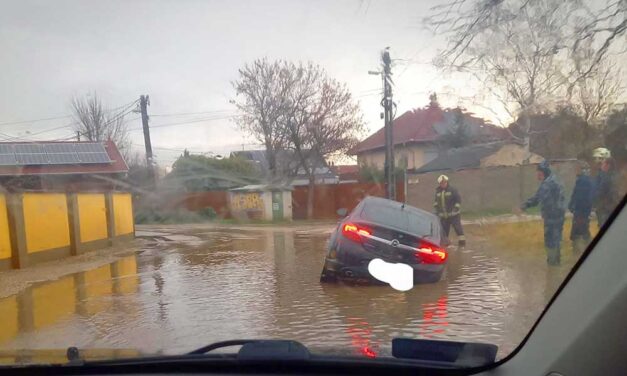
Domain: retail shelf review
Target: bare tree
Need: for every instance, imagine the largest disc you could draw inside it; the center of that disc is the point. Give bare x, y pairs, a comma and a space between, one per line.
597, 90
262, 91
528, 52
324, 121
95, 123
297, 108
603, 28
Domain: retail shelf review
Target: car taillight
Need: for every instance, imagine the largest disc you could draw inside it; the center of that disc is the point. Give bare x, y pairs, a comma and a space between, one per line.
431, 254
354, 232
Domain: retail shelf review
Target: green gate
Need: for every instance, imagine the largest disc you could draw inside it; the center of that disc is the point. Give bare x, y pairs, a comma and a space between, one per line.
277, 205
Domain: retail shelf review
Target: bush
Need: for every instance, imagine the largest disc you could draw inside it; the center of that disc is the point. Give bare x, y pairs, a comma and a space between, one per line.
208, 213
159, 216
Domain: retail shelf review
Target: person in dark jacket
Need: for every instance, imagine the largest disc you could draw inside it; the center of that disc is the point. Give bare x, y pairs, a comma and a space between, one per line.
447, 206
550, 197
581, 206
607, 197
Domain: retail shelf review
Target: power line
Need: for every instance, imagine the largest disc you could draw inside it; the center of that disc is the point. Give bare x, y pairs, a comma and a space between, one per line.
25, 137
171, 149
59, 117
186, 122
369, 95
126, 109
41, 132
192, 113
35, 120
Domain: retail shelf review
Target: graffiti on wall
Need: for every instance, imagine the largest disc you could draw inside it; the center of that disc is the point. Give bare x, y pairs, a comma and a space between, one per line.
247, 201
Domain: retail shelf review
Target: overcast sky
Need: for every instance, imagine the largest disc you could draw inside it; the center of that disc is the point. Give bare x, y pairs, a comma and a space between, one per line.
184, 55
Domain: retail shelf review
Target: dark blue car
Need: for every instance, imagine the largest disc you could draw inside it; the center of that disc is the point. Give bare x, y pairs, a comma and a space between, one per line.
388, 230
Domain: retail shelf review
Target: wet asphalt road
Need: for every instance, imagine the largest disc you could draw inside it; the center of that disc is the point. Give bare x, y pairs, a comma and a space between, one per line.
187, 286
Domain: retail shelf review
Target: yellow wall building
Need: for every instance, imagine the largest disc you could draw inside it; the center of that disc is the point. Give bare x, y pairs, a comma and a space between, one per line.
92, 212
45, 221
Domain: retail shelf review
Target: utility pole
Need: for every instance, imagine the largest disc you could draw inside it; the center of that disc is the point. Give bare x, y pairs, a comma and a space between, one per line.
144, 102
387, 104
388, 115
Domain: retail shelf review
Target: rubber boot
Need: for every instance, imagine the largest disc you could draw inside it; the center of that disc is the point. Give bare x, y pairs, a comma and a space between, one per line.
552, 256
577, 247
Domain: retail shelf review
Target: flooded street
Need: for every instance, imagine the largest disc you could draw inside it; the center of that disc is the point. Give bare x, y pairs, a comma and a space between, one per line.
187, 286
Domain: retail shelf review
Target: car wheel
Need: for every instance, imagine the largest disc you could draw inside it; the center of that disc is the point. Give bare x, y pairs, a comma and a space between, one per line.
327, 277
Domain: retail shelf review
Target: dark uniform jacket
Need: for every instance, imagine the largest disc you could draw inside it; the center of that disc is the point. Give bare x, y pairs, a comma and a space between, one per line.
582, 197
550, 197
607, 197
447, 202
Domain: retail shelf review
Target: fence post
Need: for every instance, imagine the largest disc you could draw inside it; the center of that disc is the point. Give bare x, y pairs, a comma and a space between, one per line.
110, 217
75, 224
521, 182
25, 309
17, 231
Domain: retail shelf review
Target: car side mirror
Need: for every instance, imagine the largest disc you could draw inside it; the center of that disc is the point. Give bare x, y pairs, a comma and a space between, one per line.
342, 212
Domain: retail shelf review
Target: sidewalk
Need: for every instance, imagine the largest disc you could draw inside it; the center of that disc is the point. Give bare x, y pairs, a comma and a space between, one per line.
15, 280
505, 218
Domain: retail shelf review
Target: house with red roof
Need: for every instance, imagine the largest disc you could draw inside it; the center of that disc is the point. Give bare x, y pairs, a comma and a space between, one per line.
64, 166
419, 136
346, 173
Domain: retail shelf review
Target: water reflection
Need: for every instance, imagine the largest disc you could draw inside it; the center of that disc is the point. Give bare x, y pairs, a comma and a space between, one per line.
85, 294
264, 283
434, 318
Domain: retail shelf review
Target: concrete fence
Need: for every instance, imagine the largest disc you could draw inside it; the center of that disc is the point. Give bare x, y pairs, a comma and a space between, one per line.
37, 227
489, 188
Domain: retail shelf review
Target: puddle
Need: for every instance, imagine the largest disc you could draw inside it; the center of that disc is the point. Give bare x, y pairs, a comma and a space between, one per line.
214, 286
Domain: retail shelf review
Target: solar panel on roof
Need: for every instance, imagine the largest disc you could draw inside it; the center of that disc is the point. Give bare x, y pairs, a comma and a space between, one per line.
7, 160
32, 159
28, 148
90, 148
6, 149
63, 158
93, 157
59, 148
53, 154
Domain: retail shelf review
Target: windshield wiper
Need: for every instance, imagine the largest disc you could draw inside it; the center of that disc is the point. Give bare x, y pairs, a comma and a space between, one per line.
254, 349
218, 345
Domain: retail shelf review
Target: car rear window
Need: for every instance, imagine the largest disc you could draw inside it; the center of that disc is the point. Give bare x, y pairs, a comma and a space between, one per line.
405, 220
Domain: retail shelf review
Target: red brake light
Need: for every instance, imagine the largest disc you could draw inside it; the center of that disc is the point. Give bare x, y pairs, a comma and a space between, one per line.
431, 254
354, 232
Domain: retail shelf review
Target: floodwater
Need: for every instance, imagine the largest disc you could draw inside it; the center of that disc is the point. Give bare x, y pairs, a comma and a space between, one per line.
187, 286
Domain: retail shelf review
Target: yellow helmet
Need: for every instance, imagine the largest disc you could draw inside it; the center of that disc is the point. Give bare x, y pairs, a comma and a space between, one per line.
442, 178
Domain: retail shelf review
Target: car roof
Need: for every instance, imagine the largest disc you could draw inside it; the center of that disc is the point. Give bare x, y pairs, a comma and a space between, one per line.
397, 205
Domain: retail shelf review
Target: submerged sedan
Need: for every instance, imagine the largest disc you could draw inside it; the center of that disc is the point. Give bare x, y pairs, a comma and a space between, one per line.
381, 229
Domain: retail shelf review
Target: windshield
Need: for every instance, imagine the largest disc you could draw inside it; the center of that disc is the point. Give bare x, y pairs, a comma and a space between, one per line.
174, 174
399, 218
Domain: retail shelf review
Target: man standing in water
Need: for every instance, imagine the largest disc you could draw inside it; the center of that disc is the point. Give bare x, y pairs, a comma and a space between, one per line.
607, 197
550, 197
447, 206
581, 206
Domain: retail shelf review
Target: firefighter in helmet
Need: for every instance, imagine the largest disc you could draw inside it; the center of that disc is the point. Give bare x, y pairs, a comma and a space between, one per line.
447, 206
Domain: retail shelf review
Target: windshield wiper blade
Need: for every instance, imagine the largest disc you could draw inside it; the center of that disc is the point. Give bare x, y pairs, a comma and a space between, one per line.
218, 345
259, 349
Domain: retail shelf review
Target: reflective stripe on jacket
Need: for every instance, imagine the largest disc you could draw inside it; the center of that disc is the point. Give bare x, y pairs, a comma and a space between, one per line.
447, 202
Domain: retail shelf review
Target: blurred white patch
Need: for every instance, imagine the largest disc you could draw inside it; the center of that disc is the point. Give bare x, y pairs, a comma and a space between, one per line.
399, 276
